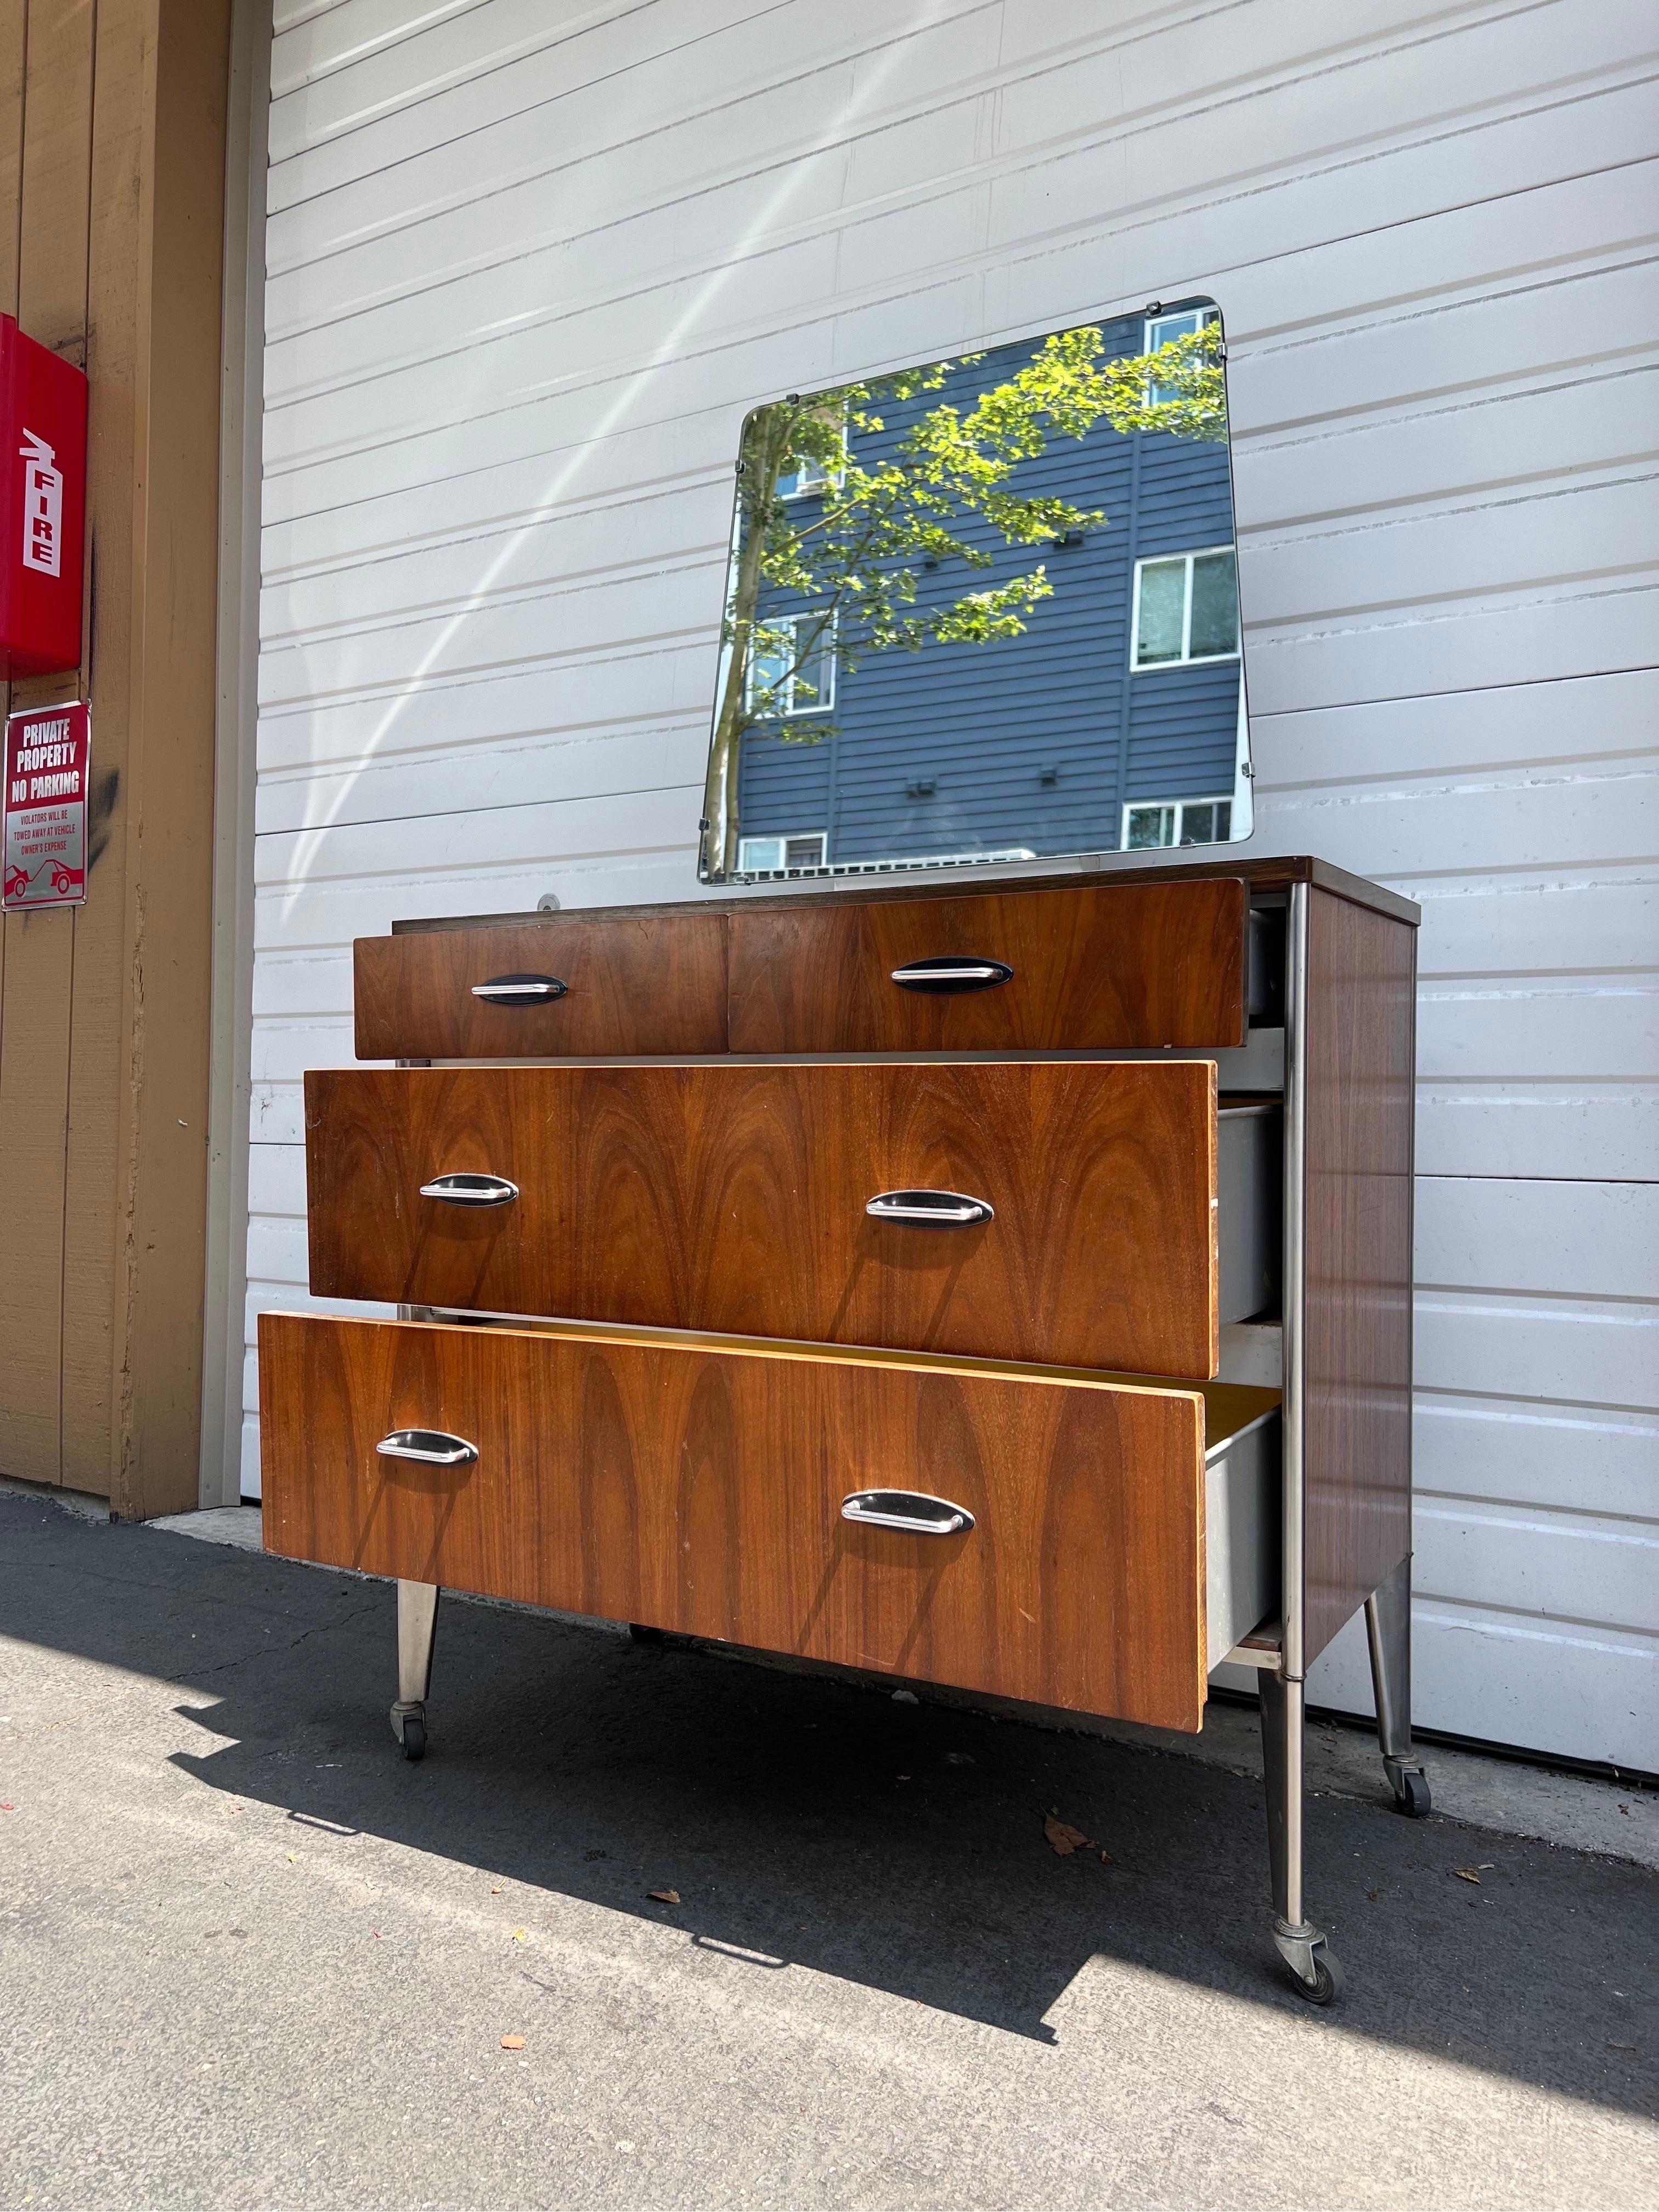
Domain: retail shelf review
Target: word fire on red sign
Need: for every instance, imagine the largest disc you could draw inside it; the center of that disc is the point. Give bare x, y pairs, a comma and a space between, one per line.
47, 767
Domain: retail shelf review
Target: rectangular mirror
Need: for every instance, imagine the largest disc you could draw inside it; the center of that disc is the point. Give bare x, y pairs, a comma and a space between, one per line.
984, 610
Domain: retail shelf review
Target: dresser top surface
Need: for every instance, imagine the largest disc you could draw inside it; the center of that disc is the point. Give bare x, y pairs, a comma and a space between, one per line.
1276, 872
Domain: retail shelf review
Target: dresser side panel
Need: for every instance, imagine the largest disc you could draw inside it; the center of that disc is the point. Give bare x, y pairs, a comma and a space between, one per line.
1360, 1056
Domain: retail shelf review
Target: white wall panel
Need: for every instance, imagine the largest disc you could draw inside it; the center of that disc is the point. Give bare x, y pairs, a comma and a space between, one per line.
530, 262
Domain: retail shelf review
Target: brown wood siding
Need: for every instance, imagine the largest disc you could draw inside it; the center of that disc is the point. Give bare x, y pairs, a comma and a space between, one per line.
1361, 994
112, 149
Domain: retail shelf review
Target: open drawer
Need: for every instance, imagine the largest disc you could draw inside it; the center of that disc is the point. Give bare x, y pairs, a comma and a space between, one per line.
1091, 1543
1087, 1213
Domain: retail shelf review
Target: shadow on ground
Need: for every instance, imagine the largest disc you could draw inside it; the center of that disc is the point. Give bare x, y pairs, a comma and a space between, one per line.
818, 1822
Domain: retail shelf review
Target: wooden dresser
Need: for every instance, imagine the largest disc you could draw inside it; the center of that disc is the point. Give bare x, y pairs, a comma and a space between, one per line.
858, 1275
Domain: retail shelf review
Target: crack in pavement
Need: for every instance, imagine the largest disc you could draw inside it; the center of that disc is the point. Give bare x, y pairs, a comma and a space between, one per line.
182, 1681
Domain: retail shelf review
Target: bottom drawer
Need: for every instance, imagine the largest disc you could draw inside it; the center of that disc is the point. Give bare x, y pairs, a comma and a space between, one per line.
705, 1486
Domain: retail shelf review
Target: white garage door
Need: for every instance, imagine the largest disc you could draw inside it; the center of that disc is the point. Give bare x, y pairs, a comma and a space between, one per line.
530, 263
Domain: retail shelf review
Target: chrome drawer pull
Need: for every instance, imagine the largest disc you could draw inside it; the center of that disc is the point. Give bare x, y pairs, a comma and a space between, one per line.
933, 1209
431, 1447
521, 990
944, 976
471, 1189
912, 1510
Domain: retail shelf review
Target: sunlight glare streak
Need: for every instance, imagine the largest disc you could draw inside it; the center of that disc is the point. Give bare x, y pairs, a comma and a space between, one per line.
309, 841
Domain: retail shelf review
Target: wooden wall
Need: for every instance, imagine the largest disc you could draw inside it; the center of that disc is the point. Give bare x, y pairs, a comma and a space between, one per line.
112, 194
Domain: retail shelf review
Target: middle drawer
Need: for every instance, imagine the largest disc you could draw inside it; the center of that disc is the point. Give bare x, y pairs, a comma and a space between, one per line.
1063, 1213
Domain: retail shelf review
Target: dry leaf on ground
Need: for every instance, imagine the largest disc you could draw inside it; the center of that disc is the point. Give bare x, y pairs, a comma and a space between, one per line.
1466, 1873
665, 1896
513, 2043
520, 1935
1064, 1838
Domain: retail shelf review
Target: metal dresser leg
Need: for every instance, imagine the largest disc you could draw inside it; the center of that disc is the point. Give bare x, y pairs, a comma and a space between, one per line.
1315, 1973
418, 1628
1389, 1631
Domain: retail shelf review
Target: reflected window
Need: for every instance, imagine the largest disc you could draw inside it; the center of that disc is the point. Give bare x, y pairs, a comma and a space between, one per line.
823, 469
1157, 821
1186, 609
792, 667
805, 481
1164, 330
763, 856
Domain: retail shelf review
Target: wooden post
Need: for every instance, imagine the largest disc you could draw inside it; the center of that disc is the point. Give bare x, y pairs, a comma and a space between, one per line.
118, 141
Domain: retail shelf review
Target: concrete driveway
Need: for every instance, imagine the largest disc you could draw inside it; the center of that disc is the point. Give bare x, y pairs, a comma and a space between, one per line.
249, 1957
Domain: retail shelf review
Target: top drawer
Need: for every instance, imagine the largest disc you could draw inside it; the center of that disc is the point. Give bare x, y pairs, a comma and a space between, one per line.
591, 985
1066, 970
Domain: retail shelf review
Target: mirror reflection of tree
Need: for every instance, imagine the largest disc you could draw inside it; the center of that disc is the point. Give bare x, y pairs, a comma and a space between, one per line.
845, 532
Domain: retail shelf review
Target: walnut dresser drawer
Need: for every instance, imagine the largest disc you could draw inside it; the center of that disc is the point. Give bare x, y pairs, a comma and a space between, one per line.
1076, 968
597, 985
1035, 1536
1051, 1211
1080, 969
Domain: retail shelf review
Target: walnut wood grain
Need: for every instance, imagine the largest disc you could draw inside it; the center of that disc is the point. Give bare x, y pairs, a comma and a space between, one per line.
700, 1491
646, 983
1156, 964
733, 1198
1361, 1017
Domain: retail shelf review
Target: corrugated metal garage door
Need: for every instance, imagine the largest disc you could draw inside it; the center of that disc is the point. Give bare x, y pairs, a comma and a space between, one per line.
529, 263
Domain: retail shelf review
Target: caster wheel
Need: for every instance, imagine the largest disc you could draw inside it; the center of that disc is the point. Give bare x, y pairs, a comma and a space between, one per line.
1327, 1986
1412, 1798
414, 1736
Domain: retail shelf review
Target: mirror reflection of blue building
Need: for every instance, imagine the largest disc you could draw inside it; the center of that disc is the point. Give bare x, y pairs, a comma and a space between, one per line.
1115, 719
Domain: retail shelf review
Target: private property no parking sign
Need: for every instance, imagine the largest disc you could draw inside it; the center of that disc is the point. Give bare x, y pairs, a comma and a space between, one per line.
47, 766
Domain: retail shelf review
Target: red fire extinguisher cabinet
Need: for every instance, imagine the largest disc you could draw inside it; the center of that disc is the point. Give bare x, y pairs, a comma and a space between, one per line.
43, 498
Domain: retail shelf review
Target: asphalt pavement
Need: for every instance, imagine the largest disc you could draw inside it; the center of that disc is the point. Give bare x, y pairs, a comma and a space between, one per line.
250, 1957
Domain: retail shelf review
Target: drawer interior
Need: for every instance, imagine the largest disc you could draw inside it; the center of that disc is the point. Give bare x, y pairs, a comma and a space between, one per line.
700, 1485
